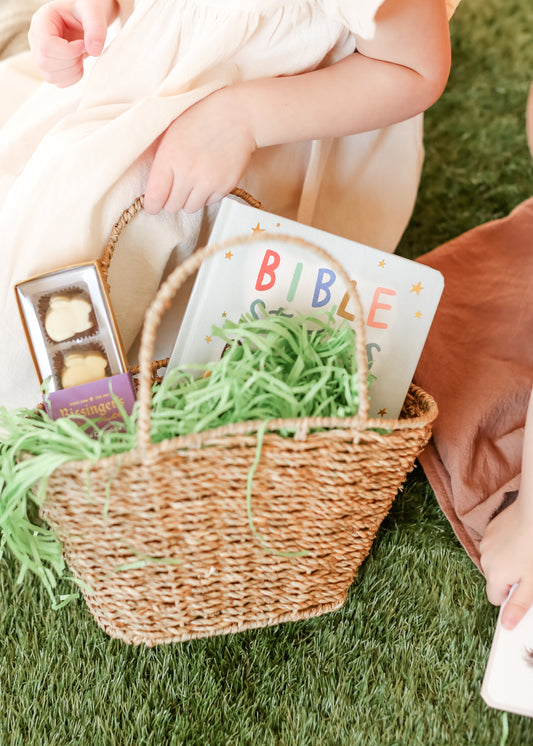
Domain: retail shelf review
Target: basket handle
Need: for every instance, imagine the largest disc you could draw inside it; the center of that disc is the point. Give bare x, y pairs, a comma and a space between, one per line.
191, 265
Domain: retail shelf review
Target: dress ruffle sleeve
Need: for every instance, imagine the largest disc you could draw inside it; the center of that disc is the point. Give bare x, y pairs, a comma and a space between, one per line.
356, 15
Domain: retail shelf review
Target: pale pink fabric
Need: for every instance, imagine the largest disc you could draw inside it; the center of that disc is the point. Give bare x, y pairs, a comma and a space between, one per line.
478, 364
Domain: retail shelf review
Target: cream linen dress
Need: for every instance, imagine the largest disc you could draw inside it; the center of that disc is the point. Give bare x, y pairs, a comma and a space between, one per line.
72, 159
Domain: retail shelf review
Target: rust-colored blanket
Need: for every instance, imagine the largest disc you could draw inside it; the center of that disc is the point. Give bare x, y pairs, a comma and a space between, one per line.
478, 364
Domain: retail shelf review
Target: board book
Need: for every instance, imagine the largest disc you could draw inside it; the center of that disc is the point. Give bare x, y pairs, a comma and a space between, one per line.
399, 296
508, 681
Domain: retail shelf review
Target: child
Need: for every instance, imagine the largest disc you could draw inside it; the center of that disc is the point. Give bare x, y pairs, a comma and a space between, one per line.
507, 545
478, 364
190, 99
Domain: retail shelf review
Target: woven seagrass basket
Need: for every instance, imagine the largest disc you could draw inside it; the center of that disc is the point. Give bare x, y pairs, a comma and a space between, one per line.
324, 491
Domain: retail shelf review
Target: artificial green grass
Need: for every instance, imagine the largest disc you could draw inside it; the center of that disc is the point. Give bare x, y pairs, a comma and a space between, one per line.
402, 662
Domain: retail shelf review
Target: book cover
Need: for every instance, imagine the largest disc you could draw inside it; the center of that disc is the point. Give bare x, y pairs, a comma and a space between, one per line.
399, 296
508, 681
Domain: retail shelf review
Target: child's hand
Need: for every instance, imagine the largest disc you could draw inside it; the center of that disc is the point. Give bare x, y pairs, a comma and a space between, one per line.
63, 32
201, 157
506, 559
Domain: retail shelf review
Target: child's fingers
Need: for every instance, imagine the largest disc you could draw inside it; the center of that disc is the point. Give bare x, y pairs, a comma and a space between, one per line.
177, 200
214, 198
94, 21
53, 36
61, 59
66, 77
63, 63
55, 48
158, 190
61, 66
195, 200
61, 71
517, 606
497, 590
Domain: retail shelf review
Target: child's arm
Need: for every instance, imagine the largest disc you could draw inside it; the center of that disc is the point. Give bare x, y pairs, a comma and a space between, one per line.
507, 547
63, 32
392, 77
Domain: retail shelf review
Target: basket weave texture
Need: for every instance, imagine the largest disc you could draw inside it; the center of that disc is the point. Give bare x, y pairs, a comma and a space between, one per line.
321, 494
